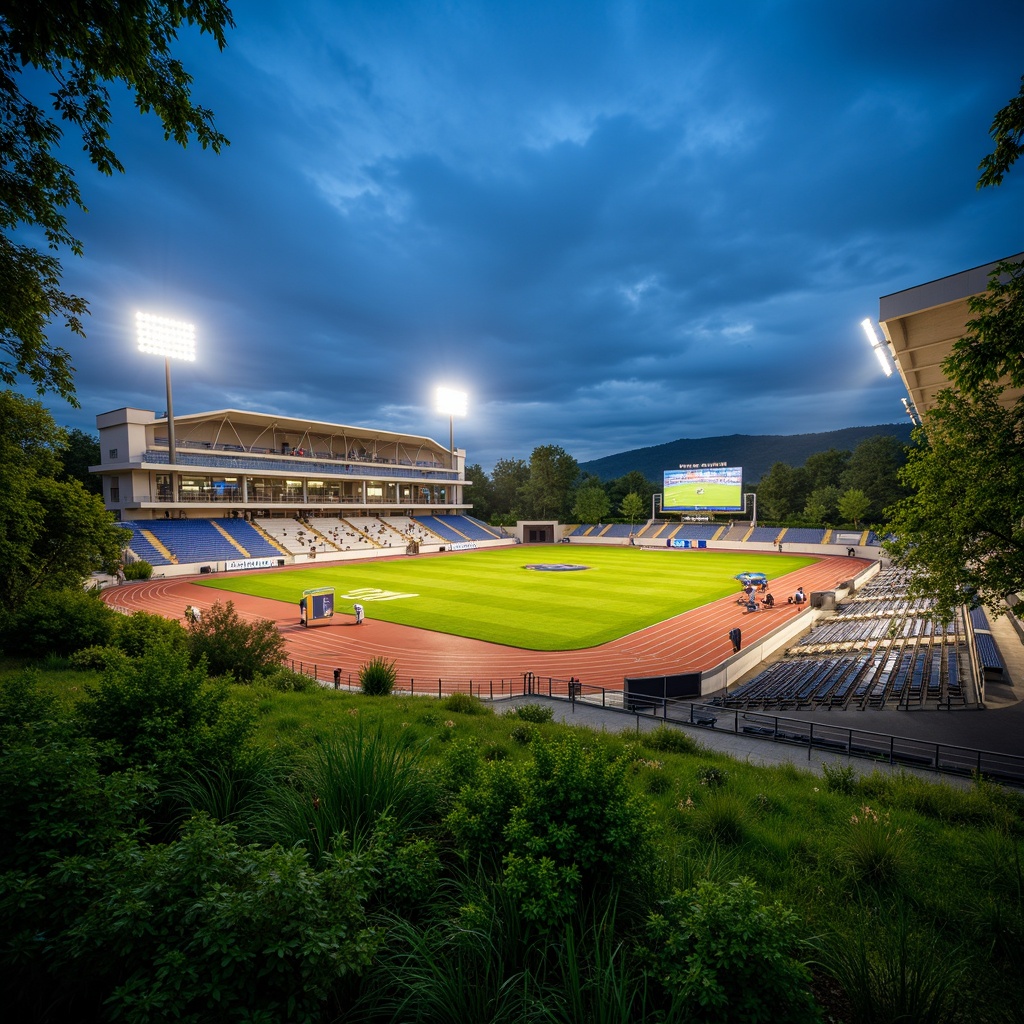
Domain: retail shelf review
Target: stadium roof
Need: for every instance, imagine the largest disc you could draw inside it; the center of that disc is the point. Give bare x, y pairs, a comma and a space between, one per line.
922, 324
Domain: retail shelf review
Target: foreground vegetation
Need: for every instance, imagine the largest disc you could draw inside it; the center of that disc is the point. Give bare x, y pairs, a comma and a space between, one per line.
179, 846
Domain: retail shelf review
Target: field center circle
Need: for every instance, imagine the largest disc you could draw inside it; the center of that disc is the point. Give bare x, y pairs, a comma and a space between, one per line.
556, 567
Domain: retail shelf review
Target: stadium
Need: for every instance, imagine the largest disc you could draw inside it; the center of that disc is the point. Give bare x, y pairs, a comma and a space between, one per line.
254, 495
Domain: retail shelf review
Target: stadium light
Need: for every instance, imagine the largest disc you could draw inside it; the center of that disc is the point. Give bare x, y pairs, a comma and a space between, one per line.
171, 339
451, 403
908, 408
876, 344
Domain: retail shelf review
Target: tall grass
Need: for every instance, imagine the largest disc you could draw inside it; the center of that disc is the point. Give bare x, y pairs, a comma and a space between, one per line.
892, 972
351, 781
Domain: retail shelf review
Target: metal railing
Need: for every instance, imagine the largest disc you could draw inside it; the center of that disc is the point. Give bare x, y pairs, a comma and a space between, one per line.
946, 758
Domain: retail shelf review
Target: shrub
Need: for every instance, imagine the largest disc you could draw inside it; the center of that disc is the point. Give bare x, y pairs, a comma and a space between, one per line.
671, 741
712, 776
536, 713
231, 645
135, 634
840, 778
377, 677
158, 711
495, 752
97, 659
522, 734
286, 681
465, 704
718, 948
199, 928
138, 570
60, 622
565, 824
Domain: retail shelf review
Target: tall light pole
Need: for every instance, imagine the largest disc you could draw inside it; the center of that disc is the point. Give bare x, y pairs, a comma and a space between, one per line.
171, 339
452, 404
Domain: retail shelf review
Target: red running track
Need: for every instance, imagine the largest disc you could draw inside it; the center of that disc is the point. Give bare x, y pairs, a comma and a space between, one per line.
694, 641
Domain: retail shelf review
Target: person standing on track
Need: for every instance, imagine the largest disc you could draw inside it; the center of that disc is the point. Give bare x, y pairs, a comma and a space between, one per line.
358, 609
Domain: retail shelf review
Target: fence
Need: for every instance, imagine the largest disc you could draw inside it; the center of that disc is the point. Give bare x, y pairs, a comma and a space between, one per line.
918, 753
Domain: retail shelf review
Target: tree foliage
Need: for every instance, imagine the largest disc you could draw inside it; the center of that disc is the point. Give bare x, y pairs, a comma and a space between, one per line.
962, 529
853, 506
553, 473
508, 479
591, 504
64, 57
992, 351
633, 507
53, 533
1007, 131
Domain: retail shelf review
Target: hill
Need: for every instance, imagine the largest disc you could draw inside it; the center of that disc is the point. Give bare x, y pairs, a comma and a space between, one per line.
754, 452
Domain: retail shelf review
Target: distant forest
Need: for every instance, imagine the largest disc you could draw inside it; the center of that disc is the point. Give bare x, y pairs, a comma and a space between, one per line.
756, 453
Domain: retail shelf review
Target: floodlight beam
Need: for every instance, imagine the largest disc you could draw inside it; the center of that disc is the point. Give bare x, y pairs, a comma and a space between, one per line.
876, 344
451, 403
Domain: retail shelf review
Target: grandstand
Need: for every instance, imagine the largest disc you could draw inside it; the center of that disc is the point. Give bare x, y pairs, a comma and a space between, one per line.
231, 464
881, 649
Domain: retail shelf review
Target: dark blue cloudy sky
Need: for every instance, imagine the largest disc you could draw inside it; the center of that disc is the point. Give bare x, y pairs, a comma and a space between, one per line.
612, 224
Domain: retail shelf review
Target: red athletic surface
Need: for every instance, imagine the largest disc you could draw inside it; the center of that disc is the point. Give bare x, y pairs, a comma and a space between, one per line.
694, 641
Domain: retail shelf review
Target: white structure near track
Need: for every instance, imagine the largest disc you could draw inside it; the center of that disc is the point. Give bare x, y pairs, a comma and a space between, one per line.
235, 464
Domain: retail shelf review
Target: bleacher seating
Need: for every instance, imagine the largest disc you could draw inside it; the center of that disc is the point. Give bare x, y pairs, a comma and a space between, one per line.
465, 526
249, 537
141, 546
696, 531
803, 535
192, 540
493, 532
448, 533
764, 534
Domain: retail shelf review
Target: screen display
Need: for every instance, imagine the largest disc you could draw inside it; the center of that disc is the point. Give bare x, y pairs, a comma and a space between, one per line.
712, 489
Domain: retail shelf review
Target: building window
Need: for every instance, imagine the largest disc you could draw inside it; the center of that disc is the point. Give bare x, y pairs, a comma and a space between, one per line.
112, 453
115, 488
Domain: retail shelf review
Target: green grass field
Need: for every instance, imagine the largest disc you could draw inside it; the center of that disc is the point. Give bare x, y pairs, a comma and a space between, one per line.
489, 595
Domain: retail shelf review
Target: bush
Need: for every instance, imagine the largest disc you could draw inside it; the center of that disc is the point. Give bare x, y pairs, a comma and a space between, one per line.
377, 677
671, 741
712, 776
158, 711
726, 958
522, 734
135, 634
138, 570
465, 704
286, 681
97, 659
840, 778
207, 929
536, 713
231, 645
60, 622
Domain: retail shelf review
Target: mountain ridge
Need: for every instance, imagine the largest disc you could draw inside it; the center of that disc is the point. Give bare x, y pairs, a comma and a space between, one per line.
756, 453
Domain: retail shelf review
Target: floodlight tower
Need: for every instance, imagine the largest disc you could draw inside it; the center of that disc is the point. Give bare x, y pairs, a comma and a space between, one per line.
452, 404
171, 339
